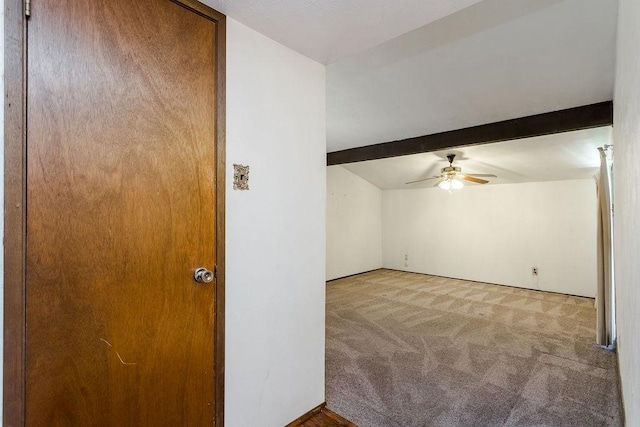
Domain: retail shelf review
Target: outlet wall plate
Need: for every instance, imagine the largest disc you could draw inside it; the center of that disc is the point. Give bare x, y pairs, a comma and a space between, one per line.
240, 177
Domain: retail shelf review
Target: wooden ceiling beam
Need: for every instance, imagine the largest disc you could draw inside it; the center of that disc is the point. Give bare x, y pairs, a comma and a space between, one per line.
572, 119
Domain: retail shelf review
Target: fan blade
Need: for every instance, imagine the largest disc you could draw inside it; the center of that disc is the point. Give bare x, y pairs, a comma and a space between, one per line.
420, 180
472, 179
438, 182
488, 175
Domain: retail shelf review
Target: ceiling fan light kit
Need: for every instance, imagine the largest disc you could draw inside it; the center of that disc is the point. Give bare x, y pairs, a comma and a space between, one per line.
451, 177
451, 184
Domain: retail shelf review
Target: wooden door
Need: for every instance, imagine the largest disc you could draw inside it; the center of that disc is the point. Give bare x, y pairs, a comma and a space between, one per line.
121, 209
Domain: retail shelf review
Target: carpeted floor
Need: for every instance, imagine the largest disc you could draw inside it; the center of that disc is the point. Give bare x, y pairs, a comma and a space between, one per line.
412, 350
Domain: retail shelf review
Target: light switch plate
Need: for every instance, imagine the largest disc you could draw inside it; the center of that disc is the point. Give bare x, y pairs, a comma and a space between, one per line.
240, 177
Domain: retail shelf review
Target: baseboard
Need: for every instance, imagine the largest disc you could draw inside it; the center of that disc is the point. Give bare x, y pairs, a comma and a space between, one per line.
485, 283
356, 274
622, 407
304, 417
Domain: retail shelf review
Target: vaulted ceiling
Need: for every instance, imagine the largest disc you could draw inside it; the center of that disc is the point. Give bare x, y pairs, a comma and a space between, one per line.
397, 70
328, 30
493, 61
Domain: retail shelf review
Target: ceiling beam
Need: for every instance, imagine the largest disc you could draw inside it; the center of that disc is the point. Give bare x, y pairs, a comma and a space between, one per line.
572, 119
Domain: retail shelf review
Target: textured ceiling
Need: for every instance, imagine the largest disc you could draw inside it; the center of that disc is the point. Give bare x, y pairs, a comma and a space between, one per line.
563, 156
326, 30
492, 61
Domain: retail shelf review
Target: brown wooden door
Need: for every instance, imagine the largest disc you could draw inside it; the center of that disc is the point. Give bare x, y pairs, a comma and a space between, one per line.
120, 211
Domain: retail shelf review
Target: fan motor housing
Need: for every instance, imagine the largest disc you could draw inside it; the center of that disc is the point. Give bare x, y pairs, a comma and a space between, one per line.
450, 169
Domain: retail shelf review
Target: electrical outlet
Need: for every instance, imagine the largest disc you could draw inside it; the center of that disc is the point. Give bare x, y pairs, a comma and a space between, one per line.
534, 271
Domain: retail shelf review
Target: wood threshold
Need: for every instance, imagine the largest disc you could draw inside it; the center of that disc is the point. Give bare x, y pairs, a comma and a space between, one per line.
304, 417
321, 416
339, 419
15, 129
572, 119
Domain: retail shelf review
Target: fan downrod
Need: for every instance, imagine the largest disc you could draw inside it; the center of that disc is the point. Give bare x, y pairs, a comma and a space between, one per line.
450, 157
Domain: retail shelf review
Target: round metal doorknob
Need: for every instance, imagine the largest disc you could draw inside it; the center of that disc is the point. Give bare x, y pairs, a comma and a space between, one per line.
202, 275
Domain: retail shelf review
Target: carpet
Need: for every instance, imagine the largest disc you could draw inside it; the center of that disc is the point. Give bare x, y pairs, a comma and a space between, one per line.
405, 349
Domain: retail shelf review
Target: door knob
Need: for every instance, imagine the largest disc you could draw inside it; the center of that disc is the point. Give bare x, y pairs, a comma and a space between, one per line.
202, 275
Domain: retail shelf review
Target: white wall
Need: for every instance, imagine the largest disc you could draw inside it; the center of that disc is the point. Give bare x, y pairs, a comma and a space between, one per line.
354, 224
626, 140
275, 234
496, 234
1, 202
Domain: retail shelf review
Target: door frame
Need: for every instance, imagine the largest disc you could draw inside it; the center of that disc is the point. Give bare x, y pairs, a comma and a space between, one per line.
15, 132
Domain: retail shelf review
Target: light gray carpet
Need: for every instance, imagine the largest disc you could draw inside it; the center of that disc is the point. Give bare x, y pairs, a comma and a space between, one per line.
408, 350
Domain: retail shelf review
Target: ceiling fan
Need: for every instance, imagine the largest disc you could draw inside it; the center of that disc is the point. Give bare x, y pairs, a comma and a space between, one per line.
451, 177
